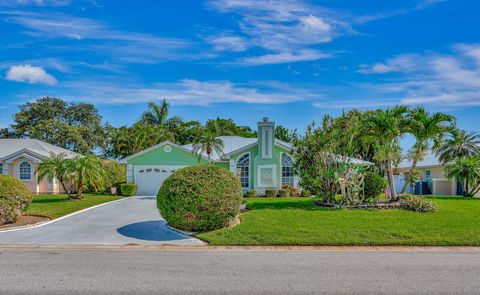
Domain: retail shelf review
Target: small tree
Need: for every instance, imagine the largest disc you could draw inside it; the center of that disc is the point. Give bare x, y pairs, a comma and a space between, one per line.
467, 171
55, 167
85, 171
207, 143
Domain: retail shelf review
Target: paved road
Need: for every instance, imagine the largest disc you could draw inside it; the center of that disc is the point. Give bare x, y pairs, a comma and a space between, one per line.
134, 220
237, 272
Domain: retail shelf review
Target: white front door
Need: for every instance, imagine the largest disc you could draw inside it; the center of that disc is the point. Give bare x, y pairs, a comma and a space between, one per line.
149, 178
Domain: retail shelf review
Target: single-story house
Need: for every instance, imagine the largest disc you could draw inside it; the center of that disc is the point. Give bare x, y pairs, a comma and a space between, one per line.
433, 180
260, 163
20, 158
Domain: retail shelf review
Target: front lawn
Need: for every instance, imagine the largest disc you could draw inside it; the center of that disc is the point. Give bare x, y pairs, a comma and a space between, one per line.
295, 221
54, 206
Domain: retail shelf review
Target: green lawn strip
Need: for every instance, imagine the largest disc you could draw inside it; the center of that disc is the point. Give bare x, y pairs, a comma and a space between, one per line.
295, 221
54, 206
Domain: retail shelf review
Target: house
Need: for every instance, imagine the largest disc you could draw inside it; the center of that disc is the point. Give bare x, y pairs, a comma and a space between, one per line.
433, 180
260, 163
20, 158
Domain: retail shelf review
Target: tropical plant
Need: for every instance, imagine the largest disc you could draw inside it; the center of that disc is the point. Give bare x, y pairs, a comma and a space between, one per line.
425, 128
157, 115
373, 185
386, 127
207, 143
226, 127
15, 198
128, 189
284, 134
85, 171
418, 204
467, 171
55, 167
459, 144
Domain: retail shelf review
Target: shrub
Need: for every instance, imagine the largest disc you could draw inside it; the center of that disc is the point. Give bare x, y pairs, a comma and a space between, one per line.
251, 194
200, 198
374, 185
115, 174
270, 193
283, 193
294, 191
128, 190
418, 204
15, 198
306, 193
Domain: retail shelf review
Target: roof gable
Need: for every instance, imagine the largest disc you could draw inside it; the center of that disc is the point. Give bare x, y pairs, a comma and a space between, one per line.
11, 147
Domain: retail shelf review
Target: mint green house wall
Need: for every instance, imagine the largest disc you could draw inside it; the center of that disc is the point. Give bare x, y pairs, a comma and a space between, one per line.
160, 157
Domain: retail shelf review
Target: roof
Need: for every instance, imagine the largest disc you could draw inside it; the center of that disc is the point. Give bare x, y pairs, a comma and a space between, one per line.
429, 161
233, 144
10, 147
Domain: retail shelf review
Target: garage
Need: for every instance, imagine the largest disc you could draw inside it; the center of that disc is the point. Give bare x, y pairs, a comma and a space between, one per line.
149, 178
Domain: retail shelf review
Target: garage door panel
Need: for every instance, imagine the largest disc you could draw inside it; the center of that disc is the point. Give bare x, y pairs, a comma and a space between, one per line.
149, 179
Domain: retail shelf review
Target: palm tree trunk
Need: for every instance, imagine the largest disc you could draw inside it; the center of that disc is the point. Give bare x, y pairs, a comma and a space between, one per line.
393, 194
407, 181
466, 193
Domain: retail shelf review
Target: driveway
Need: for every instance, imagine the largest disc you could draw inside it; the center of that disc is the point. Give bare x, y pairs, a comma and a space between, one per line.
134, 220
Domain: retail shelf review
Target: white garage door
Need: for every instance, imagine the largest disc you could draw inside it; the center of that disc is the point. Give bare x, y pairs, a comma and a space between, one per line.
149, 179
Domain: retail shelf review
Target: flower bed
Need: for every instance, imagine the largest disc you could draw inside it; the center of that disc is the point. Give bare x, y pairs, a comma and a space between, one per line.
379, 205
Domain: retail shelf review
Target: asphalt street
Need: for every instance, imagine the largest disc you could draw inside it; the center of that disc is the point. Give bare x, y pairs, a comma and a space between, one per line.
80, 271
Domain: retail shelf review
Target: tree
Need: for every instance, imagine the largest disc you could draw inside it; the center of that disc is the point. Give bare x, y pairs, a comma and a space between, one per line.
207, 143
187, 132
284, 134
426, 129
85, 171
467, 171
55, 167
386, 127
157, 115
226, 127
459, 144
76, 127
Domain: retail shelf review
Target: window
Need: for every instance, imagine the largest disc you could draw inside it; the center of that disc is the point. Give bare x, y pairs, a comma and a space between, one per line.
243, 165
287, 170
25, 171
1, 168
427, 176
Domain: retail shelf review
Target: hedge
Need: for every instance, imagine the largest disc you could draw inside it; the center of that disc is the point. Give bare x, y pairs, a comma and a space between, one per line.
15, 198
128, 190
200, 198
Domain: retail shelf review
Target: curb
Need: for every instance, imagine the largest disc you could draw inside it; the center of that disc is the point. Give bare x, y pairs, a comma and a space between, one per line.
40, 224
167, 247
186, 233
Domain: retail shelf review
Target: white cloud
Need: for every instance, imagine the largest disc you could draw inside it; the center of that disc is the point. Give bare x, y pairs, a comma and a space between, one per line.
34, 2
30, 74
401, 63
224, 42
285, 57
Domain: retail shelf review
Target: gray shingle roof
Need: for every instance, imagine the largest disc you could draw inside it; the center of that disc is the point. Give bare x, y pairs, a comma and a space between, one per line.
12, 146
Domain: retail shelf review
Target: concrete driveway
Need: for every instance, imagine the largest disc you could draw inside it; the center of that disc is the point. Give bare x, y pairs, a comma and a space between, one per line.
134, 220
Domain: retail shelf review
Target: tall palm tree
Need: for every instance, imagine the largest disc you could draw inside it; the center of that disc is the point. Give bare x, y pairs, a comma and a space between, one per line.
207, 143
426, 129
459, 144
55, 167
85, 171
157, 115
386, 127
467, 171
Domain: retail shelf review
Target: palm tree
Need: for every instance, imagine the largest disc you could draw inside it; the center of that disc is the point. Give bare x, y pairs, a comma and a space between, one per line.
467, 171
425, 128
386, 127
207, 143
157, 115
55, 167
459, 144
86, 171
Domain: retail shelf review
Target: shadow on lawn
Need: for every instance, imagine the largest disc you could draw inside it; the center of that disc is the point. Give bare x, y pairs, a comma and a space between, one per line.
279, 204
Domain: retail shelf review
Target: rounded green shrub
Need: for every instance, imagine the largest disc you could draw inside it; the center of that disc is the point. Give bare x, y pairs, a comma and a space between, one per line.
306, 193
270, 193
200, 198
283, 193
15, 197
374, 185
418, 204
251, 194
128, 189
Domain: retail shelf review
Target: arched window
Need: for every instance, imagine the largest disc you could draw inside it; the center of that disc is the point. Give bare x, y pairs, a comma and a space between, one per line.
287, 170
243, 169
25, 171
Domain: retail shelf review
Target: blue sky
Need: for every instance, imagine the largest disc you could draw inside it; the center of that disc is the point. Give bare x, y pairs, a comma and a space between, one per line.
291, 60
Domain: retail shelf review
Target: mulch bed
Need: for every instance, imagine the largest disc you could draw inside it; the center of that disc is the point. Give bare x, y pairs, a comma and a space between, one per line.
381, 205
24, 220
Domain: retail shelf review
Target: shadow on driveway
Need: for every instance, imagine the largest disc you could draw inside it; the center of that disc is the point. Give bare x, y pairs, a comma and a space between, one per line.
154, 230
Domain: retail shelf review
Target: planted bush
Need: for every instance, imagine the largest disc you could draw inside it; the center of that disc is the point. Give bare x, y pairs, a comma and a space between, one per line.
200, 198
418, 204
283, 193
293, 191
374, 185
270, 193
306, 193
15, 198
128, 190
251, 194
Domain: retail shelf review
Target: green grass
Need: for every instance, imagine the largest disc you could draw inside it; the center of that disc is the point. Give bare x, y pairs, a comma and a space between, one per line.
295, 221
54, 206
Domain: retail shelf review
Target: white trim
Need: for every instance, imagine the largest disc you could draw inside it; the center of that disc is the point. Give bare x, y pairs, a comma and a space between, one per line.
274, 176
295, 181
124, 160
25, 153
250, 170
278, 142
20, 172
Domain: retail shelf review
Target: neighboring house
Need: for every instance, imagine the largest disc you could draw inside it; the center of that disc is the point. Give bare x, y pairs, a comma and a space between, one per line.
260, 163
20, 158
432, 178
